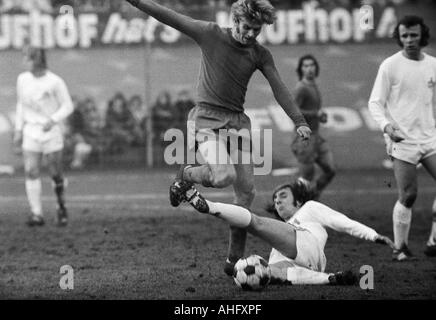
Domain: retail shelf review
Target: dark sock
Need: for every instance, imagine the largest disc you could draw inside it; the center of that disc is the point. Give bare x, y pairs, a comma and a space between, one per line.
59, 190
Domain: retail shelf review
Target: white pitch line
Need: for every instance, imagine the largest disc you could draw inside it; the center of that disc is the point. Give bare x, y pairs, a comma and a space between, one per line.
130, 207
216, 194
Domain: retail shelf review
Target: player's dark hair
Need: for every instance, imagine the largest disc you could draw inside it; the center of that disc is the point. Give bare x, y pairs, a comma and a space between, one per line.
37, 55
300, 65
259, 11
301, 190
410, 21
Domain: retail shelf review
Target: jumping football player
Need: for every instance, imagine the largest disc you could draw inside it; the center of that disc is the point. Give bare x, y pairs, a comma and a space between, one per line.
43, 102
229, 58
298, 236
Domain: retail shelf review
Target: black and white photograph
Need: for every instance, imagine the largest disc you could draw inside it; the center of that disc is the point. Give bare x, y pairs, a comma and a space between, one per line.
217, 155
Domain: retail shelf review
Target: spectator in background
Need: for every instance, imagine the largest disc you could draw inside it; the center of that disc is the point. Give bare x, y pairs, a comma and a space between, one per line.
87, 134
163, 115
57, 4
75, 120
71, 125
182, 106
94, 5
137, 108
26, 5
120, 124
140, 114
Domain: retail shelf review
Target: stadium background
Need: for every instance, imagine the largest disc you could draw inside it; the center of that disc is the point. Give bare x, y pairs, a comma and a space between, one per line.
125, 241
130, 53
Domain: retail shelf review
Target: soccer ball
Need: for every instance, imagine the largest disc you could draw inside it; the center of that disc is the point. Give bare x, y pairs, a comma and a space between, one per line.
252, 273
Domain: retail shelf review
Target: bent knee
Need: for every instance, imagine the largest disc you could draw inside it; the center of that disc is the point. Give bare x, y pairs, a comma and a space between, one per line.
223, 178
408, 197
32, 173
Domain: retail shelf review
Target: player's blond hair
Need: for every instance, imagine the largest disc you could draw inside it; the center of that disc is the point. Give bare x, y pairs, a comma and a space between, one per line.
259, 11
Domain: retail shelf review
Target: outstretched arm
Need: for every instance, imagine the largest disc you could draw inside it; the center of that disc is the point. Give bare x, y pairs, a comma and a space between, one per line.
284, 97
314, 211
184, 24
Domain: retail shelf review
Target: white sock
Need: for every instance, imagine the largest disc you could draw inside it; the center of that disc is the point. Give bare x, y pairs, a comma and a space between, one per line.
401, 218
33, 190
432, 238
301, 276
234, 215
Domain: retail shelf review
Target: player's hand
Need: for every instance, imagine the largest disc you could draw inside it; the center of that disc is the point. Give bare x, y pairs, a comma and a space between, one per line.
322, 116
384, 240
48, 125
304, 132
394, 133
18, 140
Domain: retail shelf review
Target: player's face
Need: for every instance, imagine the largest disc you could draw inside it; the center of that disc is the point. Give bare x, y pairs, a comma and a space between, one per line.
32, 63
308, 69
284, 204
28, 62
410, 38
247, 31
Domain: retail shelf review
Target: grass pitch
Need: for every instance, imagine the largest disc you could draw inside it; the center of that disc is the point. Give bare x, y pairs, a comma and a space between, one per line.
125, 241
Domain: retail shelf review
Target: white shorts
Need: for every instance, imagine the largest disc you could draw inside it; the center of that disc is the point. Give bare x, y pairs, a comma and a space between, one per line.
54, 144
37, 140
310, 253
410, 152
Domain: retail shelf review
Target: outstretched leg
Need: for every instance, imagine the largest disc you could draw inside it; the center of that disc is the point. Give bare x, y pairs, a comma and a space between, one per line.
278, 234
287, 272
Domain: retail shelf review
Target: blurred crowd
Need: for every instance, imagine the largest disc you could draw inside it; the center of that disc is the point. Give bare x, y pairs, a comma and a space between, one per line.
93, 133
52, 6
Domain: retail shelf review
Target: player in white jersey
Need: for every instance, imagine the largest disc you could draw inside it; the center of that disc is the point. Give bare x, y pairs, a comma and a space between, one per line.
43, 102
298, 238
403, 103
